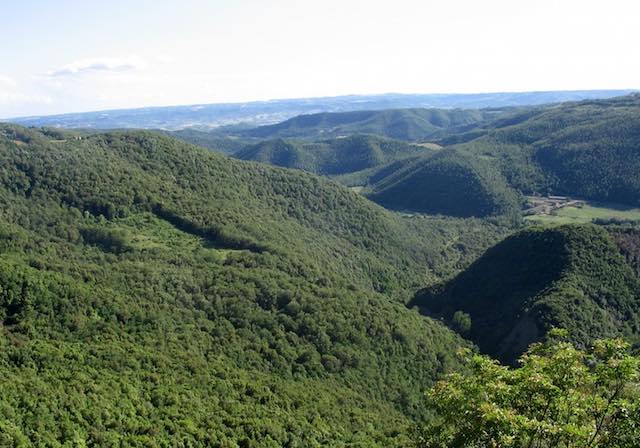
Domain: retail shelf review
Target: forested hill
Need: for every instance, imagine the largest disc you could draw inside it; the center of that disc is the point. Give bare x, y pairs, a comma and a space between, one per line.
585, 149
403, 124
209, 140
177, 294
450, 183
573, 277
588, 149
332, 156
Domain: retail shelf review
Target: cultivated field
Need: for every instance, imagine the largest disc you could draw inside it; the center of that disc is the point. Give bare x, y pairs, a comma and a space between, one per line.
585, 213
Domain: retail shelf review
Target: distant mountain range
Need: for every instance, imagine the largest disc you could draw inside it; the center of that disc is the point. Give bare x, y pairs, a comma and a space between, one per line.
404, 124
269, 112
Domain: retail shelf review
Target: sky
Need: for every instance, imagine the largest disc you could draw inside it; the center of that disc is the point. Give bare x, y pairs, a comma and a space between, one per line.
59, 56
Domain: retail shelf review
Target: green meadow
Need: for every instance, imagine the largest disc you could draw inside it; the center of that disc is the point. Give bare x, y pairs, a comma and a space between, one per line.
587, 213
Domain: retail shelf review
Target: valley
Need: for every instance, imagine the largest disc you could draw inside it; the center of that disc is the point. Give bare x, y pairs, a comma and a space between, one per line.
580, 212
303, 283
303, 224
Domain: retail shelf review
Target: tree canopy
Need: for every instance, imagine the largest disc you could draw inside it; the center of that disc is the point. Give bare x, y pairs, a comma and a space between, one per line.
559, 397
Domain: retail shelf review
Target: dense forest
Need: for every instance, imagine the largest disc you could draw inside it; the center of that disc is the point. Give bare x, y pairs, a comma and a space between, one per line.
155, 291
448, 183
584, 149
334, 156
401, 124
209, 140
587, 149
561, 396
573, 277
197, 252
158, 285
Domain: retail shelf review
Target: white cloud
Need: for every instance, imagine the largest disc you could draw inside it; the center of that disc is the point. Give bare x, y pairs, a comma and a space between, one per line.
94, 65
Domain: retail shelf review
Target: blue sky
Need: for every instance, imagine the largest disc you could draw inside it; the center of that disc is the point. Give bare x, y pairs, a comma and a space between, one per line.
69, 55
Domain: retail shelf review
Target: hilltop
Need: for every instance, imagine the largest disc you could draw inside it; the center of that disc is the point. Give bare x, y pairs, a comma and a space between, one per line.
333, 156
587, 149
402, 124
574, 277
209, 140
159, 284
581, 149
449, 183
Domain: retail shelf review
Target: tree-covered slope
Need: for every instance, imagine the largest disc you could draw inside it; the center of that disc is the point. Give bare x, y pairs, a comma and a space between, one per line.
278, 152
588, 149
628, 239
449, 183
368, 177
151, 291
331, 157
402, 124
574, 277
209, 140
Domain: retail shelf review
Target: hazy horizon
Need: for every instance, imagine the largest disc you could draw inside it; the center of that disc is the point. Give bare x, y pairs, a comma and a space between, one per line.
274, 100
120, 55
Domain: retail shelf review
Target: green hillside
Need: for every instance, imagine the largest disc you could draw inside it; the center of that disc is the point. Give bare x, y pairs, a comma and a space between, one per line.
367, 177
402, 124
152, 292
584, 149
449, 183
331, 157
574, 277
587, 149
209, 140
628, 239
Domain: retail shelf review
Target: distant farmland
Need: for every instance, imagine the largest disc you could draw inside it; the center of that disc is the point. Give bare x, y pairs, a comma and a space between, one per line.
585, 213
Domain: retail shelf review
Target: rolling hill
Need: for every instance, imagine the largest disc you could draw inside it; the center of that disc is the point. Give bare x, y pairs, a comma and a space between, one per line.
449, 183
159, 286
333, 156
209, 140
402, 124
587, 149
574, 277
268, 112
175, 293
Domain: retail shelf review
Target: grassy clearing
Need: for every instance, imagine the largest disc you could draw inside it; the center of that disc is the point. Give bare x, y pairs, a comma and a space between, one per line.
145, 231
430, 145
587, 213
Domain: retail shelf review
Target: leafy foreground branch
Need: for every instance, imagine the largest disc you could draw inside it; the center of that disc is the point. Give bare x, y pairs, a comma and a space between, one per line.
560, 397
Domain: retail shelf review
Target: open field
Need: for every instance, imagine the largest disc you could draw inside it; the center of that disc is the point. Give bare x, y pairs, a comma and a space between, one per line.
586, 213
430, 145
